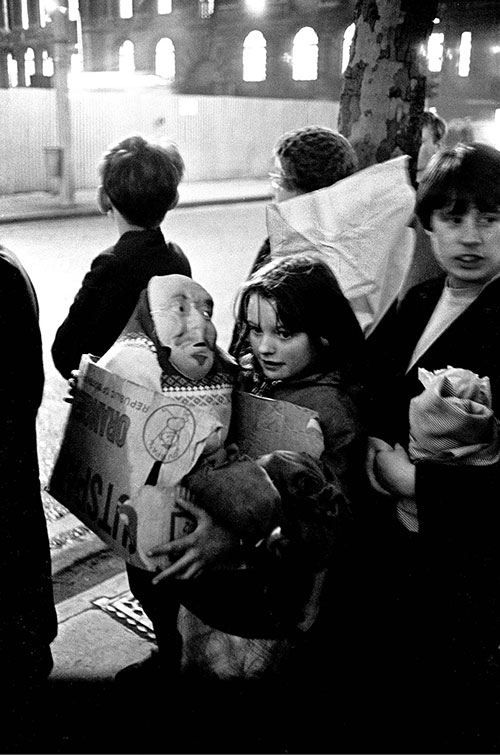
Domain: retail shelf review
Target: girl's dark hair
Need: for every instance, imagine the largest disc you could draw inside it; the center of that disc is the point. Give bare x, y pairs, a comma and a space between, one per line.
308, 299
458, 177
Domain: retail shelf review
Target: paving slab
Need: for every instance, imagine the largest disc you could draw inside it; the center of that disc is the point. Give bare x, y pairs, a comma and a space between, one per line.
100, 631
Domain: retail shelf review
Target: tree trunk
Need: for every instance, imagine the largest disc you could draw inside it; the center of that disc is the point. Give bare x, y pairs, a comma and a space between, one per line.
383, 95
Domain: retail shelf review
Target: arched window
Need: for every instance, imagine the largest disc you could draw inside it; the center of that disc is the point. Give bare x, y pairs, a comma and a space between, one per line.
254, 56
25, 18
126, 63
47, 64
305, 55
42, 9
126, 8
165, 59
346, 45
207, 8
12, 70
29, 66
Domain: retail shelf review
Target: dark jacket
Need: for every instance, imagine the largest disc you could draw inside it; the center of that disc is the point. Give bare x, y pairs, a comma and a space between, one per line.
458, 505
109, 294
471, 341
339, 418
28, 622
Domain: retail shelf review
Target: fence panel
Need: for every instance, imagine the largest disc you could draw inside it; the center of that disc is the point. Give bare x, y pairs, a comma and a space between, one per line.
219, 137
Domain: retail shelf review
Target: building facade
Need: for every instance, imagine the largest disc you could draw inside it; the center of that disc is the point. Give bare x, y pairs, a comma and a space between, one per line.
254, 48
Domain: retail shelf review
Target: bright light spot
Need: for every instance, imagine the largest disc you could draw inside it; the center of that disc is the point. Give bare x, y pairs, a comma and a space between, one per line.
437, 21
114, 80
164, 6
495, 50
464, 54
305, 55
254, 56
257, 7
435, 52
346, 45
495, 130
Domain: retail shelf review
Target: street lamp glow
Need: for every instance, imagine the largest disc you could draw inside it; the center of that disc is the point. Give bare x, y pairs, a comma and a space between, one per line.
256, 7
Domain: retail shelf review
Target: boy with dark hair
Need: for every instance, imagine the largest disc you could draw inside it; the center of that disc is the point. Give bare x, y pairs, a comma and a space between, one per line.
138, 187
441, 513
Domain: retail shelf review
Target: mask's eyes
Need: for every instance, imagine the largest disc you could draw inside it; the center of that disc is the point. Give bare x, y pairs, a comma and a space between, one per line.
178, 306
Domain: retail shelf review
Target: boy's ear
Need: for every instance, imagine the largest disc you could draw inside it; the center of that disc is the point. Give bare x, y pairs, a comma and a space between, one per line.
103, 201
175, 201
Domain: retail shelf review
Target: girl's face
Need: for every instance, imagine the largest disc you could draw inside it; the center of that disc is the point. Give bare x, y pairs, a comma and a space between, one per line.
280, 353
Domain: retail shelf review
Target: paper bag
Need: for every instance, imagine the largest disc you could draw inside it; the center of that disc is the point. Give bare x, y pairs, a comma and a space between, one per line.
360, 227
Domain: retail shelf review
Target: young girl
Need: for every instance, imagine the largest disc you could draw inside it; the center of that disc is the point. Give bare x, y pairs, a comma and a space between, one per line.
307, 348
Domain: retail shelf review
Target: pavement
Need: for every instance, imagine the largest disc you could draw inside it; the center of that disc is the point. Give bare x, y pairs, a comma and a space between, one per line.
101, 627
22, 207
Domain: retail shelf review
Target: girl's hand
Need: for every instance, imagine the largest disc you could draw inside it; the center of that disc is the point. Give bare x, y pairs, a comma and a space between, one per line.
72, 386
395, 471
198, 550
375, 445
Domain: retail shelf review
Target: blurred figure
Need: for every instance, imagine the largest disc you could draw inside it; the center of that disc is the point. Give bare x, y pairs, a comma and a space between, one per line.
459, 131
424, 264
433, 133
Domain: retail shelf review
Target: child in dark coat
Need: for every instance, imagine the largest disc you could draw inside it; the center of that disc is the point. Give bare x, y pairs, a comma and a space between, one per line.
138, 187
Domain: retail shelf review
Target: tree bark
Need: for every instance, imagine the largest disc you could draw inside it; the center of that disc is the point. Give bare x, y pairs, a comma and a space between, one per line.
383, 95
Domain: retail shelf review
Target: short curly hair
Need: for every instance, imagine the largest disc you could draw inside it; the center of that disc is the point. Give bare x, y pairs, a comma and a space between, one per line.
141, 179
314, 157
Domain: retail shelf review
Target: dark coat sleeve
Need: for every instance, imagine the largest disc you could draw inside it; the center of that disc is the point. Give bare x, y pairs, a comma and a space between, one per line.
107, 298
25, 588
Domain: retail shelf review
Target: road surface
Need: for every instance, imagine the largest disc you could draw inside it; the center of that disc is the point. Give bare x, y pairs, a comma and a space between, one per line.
220, 242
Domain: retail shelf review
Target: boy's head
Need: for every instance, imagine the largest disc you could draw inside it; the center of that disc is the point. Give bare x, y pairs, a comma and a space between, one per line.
312, 158
140, 180
460, 177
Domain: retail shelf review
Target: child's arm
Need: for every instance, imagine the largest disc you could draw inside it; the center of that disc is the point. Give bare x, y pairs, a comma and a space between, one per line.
94, 320
208, 544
